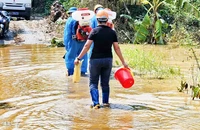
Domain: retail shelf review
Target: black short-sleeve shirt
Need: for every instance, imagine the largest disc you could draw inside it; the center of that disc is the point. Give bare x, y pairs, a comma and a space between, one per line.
103, 38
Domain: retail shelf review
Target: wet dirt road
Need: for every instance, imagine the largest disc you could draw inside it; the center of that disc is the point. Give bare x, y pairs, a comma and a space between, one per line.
37, 95
27, 32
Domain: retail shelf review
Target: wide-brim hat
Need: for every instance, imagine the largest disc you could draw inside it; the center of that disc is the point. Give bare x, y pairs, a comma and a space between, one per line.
71, 10
96, 7
102, 16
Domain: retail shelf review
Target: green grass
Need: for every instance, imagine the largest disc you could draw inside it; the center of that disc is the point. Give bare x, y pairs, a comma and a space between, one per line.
148, 63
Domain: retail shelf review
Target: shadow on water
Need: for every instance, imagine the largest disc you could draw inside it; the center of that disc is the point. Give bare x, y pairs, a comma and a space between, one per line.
131, 107
5, 105
141, 107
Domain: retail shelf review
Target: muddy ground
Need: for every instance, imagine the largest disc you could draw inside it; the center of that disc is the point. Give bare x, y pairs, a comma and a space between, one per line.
38, 31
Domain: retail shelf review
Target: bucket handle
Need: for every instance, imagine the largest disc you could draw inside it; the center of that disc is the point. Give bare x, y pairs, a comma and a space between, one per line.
130, 71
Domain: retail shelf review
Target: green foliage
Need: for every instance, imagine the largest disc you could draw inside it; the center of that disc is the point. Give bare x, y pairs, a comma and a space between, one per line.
185, 29
184, 86
43, 8
45, 5
48, 4
154, 32
181, 35
69, 3
149, 63
55, 42
127, 17
174, 12
195, 92
136, 11
150, 29
190, 9
74, 3
184, 6
142, 31
159, 34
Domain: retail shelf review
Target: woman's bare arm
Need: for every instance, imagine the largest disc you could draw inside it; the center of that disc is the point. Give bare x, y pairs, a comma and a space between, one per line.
119, 54
84, 50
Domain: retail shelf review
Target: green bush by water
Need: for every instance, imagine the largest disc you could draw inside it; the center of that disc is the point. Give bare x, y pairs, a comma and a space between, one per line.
149, 63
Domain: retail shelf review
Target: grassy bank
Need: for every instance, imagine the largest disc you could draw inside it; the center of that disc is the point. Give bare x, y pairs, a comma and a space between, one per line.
147, 60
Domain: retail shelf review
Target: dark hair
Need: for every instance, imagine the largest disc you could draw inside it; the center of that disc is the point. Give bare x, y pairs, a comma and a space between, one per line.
102, 22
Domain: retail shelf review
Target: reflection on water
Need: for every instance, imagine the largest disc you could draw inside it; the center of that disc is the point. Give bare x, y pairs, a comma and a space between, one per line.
36, 94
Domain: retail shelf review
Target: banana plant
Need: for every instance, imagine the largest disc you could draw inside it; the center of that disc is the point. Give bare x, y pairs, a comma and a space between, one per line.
142, 30
155, 29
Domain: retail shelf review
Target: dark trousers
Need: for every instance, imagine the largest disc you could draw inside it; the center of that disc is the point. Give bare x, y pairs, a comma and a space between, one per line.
100, 68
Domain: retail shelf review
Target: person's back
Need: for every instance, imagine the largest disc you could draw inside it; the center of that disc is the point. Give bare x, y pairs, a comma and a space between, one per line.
72, 46
101, 60
94, 23
103, 37
68, 31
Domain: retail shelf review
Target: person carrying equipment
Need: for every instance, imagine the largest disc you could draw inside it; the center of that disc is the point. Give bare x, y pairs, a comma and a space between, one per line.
111, 16
94, 23
72, 46
97, 7
68, 27
82, 28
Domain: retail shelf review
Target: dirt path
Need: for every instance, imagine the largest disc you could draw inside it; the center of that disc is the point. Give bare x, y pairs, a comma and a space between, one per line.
27, 32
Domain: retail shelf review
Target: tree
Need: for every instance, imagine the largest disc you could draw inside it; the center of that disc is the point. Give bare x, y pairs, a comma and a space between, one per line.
151, 26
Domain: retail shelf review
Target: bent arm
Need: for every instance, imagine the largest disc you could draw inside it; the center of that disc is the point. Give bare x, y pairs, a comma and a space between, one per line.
85, 48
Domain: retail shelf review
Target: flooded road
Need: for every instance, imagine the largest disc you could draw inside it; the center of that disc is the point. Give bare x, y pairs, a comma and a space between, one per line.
37, 95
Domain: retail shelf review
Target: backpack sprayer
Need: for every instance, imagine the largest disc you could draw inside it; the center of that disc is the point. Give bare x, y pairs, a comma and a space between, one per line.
82, 29
111, 16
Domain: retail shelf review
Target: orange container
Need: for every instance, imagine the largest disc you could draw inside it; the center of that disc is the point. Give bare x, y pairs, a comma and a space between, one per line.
125, 77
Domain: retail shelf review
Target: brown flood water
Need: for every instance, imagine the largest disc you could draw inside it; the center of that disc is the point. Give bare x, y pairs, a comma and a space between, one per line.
35, 94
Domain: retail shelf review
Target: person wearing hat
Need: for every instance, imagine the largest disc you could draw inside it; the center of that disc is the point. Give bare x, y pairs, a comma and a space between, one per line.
100, 63
68, 25
94, 19
72, 46
94, 23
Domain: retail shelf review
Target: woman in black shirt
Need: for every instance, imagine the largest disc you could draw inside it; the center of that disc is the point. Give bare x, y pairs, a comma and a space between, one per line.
100, 64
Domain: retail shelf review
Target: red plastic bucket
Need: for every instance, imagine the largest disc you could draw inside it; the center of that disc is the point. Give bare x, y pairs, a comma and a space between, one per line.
125, 77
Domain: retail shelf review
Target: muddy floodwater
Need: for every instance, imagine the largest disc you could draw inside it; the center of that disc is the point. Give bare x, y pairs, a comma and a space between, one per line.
35, 94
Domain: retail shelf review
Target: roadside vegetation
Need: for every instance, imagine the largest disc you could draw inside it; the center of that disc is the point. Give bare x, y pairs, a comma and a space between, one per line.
157, 22
144, 21
147, 62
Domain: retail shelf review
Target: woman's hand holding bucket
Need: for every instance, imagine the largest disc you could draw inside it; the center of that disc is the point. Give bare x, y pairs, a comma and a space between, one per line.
125, 65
